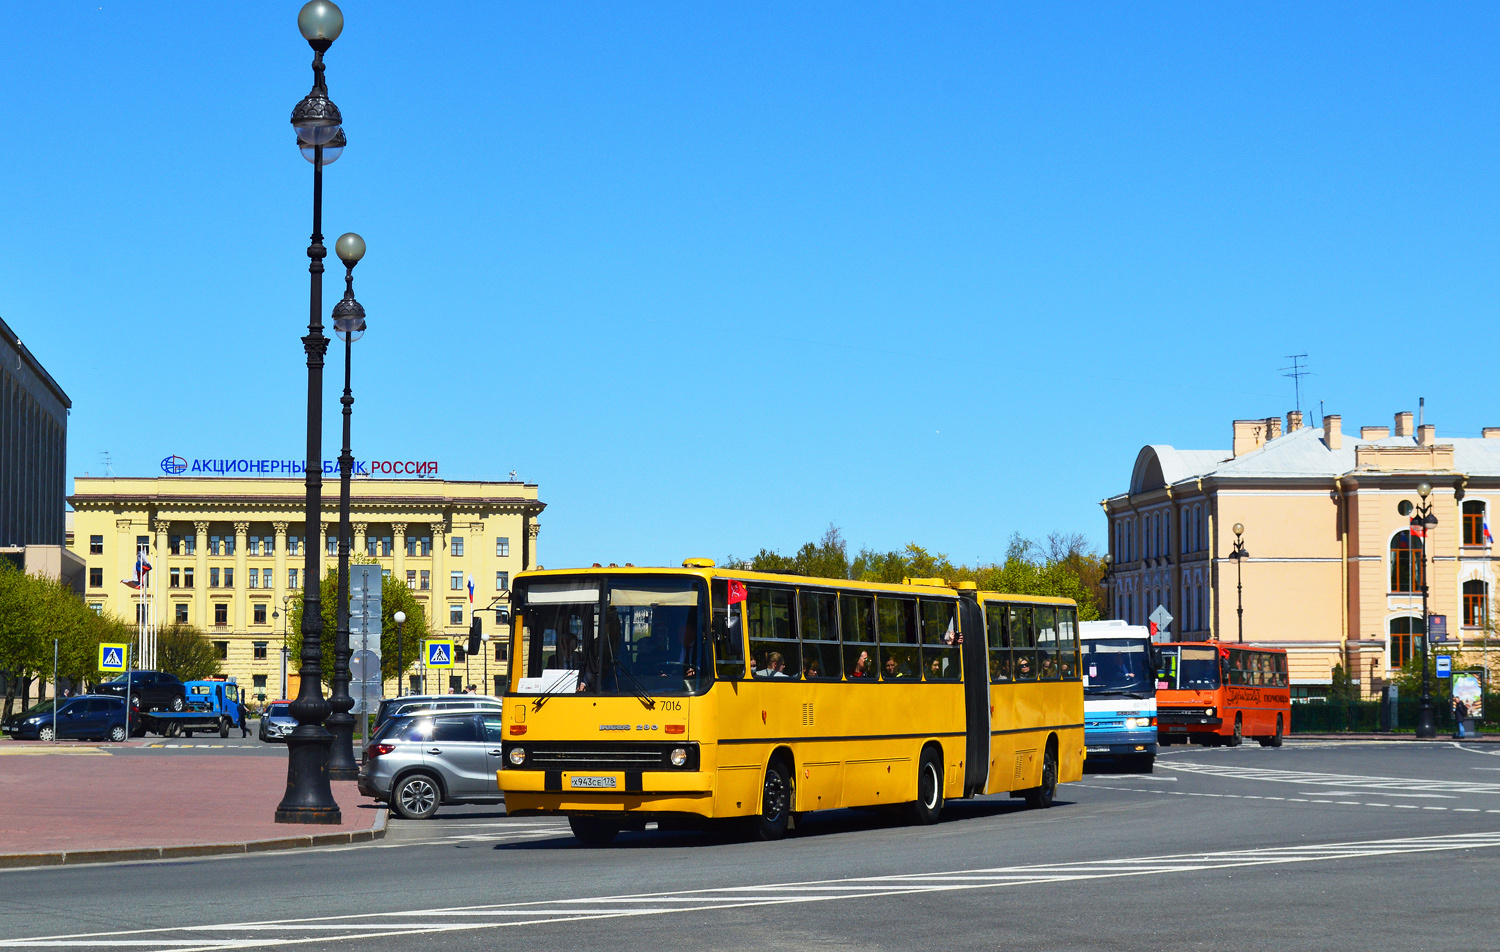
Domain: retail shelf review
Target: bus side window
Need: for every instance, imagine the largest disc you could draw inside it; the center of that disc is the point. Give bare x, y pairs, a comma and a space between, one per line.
1281, 678
728, 633
940, 651
820, 635
774, 651
896, 623
994, 622
1067, 641
1046, 642
857, 616
1022, 647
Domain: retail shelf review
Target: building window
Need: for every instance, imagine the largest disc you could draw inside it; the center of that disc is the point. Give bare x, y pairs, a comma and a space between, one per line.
221, 613
96, 607
1166, 534
456, 547
140, 613
411, 545
499, 685
260, 686
456, 581
387, 545
456, 614
268, 545
174, 578
333, 545
371, 544
96, 545
259, 610
1474, 524
385, 573
221, 648
1476, 603
182, 613
260, 652
414, 685
214, 544
411, 578
187, 578
502, 581
213, 577
254, 578
502, 547
1406, 563
426, 580
1403, 633
293, 545
252, 545
228, 577
502, 649
96, 578
427, 545
291, 578
189, 545
229, 545
143, 543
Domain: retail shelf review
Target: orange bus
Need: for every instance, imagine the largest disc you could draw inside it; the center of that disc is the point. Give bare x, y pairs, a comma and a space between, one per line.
1216, 694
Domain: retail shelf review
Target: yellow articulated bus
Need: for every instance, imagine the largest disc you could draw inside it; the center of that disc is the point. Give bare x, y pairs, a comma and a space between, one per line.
684, 695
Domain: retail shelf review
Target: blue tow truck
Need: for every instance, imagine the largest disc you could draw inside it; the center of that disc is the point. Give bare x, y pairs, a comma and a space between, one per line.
212, 705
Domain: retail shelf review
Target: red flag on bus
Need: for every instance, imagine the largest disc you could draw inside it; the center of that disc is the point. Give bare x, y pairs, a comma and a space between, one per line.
737, 592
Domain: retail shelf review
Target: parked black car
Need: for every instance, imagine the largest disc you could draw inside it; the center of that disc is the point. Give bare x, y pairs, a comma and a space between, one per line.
150, 691
89, 717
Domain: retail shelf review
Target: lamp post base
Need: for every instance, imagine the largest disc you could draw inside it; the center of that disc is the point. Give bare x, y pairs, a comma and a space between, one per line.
1426, 723
341, 762
309, 797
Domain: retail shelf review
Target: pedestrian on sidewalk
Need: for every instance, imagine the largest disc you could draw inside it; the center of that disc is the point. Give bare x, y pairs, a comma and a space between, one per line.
1460, 712
244, 719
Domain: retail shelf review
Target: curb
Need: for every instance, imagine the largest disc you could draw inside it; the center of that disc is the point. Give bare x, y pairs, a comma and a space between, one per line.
138, 854
1439, 739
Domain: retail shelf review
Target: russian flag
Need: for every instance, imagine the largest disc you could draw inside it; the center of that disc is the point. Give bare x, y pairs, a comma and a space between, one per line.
1488, 539
142, 570
471, 588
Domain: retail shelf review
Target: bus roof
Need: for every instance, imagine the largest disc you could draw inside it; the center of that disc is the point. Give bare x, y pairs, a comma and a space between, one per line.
1111, 628
709, 572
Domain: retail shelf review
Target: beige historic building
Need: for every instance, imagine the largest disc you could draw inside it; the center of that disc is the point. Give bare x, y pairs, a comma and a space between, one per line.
1333, 569
227, 554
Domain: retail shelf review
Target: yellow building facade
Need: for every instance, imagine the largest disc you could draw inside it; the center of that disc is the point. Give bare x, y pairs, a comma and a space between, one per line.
228, 555
1333, 570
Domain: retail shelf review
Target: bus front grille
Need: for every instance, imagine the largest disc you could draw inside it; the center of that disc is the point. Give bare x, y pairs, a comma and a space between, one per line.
586, 757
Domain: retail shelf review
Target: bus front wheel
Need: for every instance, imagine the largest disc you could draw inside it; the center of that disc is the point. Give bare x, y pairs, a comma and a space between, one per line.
775, 803
929, 803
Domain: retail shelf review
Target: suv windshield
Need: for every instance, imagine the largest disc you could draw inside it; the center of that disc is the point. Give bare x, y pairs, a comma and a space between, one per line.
280, 710
1189, 669
1117, 666
637, 635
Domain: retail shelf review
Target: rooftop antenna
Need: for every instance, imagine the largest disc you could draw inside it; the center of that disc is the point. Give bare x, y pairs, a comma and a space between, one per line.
1296, 371
104, 457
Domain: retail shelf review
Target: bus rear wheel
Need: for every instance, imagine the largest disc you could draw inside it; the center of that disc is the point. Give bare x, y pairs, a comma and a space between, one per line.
1238, 737
1040, 798
592, 831
929, 803
1275, 739
775, 804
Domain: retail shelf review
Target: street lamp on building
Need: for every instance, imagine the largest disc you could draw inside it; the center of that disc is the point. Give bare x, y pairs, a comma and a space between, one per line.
317, 122
1422, 519
349, 325
1239, 553
400, 618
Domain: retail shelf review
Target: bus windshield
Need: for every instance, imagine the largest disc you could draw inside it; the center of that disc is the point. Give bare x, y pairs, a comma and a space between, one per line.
1117, 666
1189, 669
638, 635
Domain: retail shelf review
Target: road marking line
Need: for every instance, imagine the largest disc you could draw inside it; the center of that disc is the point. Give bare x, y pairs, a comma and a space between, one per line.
1386, 785
423, 922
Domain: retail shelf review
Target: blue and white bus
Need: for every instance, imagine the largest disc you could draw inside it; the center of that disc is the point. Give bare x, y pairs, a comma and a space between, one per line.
1119, 694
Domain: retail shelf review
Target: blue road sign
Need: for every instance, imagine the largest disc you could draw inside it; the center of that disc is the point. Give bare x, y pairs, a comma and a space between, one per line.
439, 653
112, 657
1444, 665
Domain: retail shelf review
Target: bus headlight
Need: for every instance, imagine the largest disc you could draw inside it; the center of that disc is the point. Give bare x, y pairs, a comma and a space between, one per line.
1209, 712
1131, 723
518, 755
679, 756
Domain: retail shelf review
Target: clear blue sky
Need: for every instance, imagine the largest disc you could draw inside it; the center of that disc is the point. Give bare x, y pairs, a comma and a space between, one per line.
717, 275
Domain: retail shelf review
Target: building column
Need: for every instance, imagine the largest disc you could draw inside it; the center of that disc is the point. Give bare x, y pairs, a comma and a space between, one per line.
532, 528
200, 575
277, 603
241, 529
438, 603
160, 576
398, 539
358, 540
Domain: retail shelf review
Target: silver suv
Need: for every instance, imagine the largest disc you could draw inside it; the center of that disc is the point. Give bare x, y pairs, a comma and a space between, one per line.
411, 703
418, 761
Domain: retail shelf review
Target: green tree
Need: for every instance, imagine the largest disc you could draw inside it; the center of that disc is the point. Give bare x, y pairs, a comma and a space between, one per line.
186, 652
37, 612
394, 597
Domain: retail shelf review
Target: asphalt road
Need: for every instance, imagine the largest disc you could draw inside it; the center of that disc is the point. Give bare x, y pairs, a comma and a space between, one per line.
1313, 846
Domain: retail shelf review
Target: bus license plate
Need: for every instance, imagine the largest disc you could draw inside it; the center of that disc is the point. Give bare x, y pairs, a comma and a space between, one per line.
596, 783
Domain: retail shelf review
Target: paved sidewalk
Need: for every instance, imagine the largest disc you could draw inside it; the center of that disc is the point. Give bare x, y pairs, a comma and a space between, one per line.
72, 801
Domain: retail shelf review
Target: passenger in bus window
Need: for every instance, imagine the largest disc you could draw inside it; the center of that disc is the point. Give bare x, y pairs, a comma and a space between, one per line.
775, 667
1048, 669
1023, 668
862, 666
1000, 666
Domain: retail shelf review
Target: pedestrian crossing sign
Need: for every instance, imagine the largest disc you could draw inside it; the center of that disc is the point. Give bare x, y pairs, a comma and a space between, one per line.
439, 652
112, 658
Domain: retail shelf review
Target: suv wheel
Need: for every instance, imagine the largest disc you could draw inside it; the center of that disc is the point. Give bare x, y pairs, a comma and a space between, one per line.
178, 704
117, 734
416, 797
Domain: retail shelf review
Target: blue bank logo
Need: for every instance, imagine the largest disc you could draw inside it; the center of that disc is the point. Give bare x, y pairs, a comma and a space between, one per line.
173, 465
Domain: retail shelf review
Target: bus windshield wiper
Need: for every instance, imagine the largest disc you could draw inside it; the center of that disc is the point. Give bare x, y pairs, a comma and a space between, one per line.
635, 686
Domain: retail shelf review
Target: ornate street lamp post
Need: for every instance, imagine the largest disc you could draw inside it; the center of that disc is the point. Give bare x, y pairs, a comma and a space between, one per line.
1422, 519
309, 797
1239, 553
349, 325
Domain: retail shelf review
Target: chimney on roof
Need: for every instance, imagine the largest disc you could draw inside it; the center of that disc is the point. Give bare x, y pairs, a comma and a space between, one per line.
1372, 433
1491, 432
1251, 435
1293, 421
1403, 423
1426, 434
1333, 432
